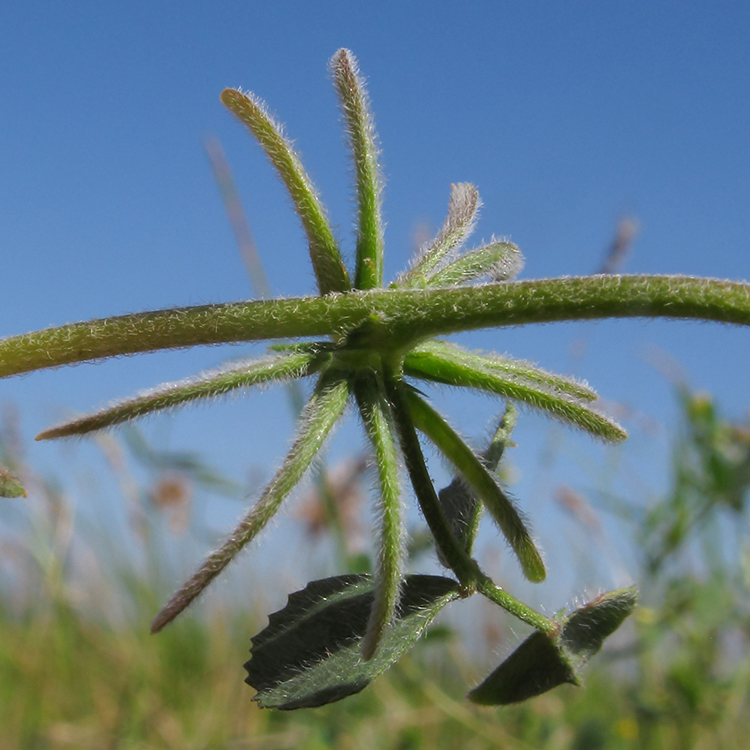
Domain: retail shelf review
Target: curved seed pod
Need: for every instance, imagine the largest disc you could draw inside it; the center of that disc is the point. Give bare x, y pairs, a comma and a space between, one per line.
330, 271
360, 129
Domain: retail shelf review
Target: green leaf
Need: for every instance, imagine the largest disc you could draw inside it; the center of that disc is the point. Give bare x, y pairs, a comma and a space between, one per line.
310, 653
459, 501
376, 415
315, 423
467, 463
457, 367
542, 662
10, 485
586, 629
506, 366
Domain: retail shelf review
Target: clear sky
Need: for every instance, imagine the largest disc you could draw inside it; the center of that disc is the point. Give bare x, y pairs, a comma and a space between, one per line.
566, 116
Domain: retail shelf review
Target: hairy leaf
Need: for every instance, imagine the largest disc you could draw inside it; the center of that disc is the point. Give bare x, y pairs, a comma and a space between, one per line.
498, 260
329, 269
459, 501
462, 213
498, 504
543, 662
209, 385
310, 653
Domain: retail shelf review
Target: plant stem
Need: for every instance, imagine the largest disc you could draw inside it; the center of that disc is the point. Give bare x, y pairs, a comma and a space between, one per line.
385, 319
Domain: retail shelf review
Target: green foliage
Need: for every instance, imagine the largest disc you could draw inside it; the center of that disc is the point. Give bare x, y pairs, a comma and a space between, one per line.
376, 340
10, 485
543, 661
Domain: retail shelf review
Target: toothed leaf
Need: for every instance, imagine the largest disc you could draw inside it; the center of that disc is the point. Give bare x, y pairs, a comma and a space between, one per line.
310, 653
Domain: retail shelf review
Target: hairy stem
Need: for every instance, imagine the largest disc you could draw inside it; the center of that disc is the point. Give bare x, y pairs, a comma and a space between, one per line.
468, 572
387, 318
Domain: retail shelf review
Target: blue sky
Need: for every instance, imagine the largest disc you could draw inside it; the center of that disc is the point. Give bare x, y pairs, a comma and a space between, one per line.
566, 116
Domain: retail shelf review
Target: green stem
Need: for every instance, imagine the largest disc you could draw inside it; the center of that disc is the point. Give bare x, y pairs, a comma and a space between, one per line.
488, 588
459, 561
384, 318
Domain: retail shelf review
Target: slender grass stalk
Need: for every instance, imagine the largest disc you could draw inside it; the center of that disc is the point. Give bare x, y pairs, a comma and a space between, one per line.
319, 417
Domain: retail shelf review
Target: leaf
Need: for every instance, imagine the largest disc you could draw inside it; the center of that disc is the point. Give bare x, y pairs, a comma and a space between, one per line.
543, 662
310, 653
10, 485
586, 629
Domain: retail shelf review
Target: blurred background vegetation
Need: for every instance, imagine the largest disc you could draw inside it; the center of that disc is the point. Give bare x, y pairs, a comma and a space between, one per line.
79, 669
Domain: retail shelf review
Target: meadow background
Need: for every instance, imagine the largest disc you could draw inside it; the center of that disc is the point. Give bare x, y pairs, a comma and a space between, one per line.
568, 118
